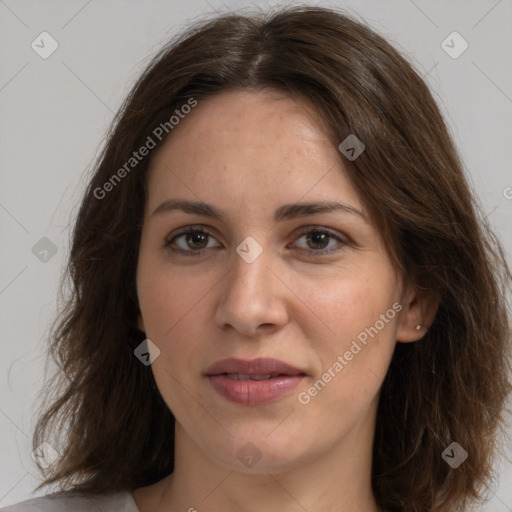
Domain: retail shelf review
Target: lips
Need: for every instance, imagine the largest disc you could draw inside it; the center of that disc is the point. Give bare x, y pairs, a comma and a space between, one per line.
239, 376
261, 367
255, 382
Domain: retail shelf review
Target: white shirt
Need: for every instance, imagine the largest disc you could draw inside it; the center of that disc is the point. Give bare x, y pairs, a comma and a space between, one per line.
114, 502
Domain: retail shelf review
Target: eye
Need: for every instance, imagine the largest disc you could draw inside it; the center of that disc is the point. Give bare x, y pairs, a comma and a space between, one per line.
194, 240
318, 240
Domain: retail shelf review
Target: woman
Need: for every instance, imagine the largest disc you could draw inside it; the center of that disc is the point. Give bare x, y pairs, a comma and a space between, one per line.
284, 294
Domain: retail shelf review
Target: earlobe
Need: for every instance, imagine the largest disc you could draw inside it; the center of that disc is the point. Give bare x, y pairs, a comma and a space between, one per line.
418, 315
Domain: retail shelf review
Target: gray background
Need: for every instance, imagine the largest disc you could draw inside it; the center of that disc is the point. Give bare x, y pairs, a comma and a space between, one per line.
54, 113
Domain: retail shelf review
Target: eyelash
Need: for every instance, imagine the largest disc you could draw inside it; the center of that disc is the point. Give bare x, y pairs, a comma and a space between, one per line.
193, 229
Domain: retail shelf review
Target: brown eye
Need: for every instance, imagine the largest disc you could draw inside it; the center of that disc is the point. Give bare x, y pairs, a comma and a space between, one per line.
192, 241
318, 240
196, 240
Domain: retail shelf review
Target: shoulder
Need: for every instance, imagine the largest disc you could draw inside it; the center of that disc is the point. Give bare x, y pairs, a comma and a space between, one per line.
113, 502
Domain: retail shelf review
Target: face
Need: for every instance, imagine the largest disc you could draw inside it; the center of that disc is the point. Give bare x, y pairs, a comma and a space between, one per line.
309, 288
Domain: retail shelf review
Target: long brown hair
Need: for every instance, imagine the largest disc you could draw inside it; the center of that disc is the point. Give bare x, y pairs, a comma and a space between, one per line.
105, 415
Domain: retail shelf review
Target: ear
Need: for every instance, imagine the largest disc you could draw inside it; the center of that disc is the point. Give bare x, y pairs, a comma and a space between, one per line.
419, 310
140, 323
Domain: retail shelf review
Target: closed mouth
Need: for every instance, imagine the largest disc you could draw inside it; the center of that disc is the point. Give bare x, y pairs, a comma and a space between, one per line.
238, 376
253, 369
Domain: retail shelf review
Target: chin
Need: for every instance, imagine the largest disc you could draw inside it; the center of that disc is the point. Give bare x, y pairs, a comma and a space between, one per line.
257, 453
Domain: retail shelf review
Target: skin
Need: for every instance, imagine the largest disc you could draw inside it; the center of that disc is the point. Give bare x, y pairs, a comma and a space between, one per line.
248, 154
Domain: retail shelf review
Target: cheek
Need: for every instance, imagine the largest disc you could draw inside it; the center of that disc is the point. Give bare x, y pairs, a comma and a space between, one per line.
351, 303
164, 298
358, 311
171, 309
176, 313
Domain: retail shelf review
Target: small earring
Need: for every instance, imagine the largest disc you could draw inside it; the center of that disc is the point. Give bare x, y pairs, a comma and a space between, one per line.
418, 327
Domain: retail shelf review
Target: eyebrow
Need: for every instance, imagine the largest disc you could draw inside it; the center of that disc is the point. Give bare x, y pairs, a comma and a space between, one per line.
285, 212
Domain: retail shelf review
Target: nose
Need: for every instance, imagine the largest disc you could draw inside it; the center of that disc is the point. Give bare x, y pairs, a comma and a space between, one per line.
252, 298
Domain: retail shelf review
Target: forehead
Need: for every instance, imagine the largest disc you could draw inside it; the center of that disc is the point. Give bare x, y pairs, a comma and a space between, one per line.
244, 114
239, 119
249, 142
